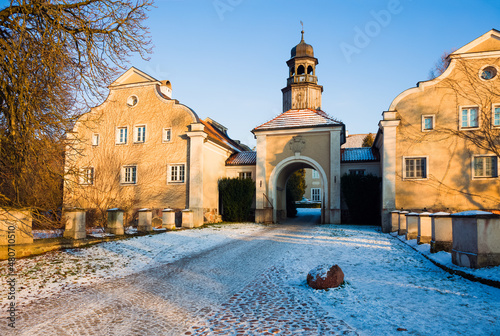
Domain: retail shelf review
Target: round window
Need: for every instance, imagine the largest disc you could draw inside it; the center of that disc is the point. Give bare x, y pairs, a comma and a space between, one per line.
132, 101
488, 73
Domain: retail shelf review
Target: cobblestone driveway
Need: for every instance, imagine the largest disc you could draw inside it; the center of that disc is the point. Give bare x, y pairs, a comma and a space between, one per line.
233, 289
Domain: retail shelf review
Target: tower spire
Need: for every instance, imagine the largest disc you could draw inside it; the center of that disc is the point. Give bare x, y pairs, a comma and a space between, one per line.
302, 24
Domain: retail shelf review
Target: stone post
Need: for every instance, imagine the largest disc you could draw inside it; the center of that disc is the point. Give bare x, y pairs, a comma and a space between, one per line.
388, 161
476, 239
145, 220
411, 225
197, 137
75, 223
168, 219
18, 222
395, 220
442, 236
115, 222
402, 222
187, 219
424, 228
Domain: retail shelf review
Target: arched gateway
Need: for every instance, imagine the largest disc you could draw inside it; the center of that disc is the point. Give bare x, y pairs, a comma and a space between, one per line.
303, 136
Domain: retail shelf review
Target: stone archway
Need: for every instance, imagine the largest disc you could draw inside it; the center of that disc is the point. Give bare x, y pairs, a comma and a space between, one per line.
279, 177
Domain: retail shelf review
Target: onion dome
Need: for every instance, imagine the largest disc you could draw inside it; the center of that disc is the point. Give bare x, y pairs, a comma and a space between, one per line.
302, 49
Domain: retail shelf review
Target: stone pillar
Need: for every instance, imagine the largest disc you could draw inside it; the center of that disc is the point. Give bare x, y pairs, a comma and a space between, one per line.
197, 138
402, 222
395, 220
335, 194
411, 225
388, 162
145, 220
168, 219
18, 222
115, 222
75, 224
187, 219
476, 239
262, 206
442, 236
424, 228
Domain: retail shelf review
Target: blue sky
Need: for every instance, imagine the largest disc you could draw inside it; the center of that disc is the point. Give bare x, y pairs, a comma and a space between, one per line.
226, 58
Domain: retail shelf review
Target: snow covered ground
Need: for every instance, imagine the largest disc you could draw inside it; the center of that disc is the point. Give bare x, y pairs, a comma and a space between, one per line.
44, 275
389, 287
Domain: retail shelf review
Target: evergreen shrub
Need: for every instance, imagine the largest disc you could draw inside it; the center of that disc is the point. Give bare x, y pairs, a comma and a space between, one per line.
236, 196
361, 194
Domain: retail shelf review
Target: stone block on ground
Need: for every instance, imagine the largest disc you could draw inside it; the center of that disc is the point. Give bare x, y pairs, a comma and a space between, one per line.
145, 220
442, 232
402, 222
115, 222
75, 224
411, 225
187, 219
168, 217
395, 220
325, 276
424, 228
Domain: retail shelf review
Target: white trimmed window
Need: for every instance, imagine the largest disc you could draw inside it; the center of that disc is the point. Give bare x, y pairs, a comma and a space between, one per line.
129, 174
140, 134
427, 122
87, 176
496, 116
315, 174
167, 134
469, 117
121, 135
95, 139
484, 166
415, 168
176, 173
316, 194
245, 175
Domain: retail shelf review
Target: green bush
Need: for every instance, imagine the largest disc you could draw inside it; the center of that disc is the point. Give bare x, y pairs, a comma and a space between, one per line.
362, 196
236, 196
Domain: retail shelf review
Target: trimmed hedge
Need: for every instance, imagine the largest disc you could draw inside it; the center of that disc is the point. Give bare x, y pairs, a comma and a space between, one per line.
362, 196
236, 196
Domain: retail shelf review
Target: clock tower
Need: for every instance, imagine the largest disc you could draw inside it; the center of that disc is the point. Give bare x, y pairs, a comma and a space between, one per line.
302, 90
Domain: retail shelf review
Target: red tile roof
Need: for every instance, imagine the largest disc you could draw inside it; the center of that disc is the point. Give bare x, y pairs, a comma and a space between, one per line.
219, 137
299, 118
242, 159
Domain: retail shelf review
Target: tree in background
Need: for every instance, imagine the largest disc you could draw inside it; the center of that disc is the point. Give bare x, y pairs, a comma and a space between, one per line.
236, 196
368, 140
295, 189
56, 59
441, 65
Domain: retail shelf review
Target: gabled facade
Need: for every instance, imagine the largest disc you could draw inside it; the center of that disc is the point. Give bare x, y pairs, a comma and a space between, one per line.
143, 149
439, 141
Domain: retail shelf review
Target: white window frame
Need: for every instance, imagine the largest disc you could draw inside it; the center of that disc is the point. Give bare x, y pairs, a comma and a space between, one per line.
416, 157
460, 113
124, 175
313, 195
164, 139
494, 107
95, 139
315, 174
84, 176
118, 139
433, 117
245, 175
169, 173
484, 177
136, 133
